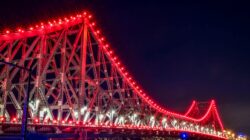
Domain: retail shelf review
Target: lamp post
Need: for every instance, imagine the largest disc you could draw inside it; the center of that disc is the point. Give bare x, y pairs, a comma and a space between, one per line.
26, 98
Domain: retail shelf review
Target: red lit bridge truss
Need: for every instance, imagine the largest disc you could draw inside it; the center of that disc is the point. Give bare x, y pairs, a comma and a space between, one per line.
78, 83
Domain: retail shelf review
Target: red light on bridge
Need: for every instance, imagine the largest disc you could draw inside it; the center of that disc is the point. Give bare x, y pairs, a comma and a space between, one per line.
7, 32
45, 121
78, 15
14, 119
36, 120
54, 121
2, 119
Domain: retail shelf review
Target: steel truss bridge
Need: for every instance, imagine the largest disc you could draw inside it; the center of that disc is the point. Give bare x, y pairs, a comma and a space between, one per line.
78, 85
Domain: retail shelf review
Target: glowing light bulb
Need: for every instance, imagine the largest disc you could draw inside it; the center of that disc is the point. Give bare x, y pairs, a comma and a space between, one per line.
36, 120
14, 119
83, 109
54, 121
1, 118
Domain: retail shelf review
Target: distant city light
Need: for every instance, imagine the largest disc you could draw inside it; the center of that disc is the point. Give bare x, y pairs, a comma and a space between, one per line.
184, 136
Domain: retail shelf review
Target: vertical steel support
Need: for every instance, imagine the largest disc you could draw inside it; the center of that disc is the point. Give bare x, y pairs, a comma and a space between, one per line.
39, 66
6, 89
83, 68
6, 79
62, 76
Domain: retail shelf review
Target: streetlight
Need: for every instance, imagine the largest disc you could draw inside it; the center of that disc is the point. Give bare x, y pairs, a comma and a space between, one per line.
26, 98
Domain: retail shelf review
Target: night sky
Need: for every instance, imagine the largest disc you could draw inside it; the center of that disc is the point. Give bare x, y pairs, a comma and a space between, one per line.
177, 50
